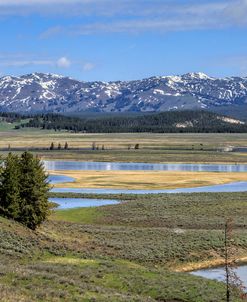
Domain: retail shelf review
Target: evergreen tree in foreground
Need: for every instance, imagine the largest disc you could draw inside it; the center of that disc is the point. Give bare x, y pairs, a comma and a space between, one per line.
34, 191
10, 188
24, 190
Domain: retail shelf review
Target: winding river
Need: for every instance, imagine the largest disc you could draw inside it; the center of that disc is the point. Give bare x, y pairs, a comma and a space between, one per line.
113, 166
69, 203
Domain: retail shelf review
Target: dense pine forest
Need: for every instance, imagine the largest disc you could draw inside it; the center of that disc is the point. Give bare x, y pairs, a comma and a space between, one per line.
165, 122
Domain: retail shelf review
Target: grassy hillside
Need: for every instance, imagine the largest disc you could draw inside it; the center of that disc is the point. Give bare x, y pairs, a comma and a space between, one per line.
9, 121
126, 252
7, 126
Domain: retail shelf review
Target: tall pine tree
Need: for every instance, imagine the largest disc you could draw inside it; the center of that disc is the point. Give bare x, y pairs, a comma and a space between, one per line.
33, 192
10, 201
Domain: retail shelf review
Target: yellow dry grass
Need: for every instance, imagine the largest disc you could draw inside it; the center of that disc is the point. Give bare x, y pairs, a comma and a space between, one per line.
43, 139
71, 261
189, 267
147, 180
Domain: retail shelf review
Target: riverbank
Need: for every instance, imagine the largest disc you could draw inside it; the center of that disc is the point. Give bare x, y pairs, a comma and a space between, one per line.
144, 180
191, 227
208, 264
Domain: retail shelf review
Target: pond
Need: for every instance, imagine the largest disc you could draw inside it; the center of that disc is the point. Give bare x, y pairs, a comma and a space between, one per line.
112, 166
219, 273
71, 203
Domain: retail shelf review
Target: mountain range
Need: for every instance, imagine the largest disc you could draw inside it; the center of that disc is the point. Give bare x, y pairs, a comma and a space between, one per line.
40, 92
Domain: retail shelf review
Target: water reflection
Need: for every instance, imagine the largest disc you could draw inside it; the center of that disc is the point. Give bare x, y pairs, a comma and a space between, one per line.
109, 166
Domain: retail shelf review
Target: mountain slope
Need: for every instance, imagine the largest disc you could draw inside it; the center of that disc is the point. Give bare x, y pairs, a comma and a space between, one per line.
53, 93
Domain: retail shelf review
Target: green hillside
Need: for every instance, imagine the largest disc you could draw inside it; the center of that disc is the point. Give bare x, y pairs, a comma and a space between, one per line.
126, 252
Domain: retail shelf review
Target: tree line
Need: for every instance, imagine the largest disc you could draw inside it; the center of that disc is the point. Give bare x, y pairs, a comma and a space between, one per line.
165, 122
24, 190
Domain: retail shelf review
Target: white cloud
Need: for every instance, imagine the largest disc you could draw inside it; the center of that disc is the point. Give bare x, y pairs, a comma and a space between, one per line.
62, 7
134, 15
88, 66
236, 12
23, 60
156, 15
63, 62
108, 7
44, 2
23, 63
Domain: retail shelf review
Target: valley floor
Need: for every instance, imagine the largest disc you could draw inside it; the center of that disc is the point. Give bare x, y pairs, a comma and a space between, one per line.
140, 249
181, 148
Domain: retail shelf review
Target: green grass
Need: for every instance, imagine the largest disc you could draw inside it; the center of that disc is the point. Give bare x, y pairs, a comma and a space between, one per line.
167, 229
153, 147
5, 126
85, 215
209, 210
107, 281
124, 252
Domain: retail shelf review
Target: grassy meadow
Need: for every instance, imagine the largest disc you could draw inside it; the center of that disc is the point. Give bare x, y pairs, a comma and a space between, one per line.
138, 250
190, 147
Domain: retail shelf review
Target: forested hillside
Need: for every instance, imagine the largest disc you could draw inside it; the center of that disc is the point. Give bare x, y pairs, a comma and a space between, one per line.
175, 121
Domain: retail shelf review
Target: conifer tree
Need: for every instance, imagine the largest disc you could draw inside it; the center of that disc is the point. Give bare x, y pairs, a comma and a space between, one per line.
52, 146
10, 188
33, 192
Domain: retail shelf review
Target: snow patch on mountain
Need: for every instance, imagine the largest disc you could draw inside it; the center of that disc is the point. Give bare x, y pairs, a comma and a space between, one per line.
231, 120
40, 92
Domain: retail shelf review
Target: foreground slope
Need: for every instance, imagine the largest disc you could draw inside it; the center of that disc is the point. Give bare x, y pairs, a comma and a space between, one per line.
126, 252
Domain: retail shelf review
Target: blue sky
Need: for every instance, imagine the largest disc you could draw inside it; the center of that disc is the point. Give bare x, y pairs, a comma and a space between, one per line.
123, 39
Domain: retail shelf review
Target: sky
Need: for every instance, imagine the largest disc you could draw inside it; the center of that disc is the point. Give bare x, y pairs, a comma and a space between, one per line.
111, 40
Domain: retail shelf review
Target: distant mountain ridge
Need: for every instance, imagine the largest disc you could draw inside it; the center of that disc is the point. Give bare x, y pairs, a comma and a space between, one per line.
40, 92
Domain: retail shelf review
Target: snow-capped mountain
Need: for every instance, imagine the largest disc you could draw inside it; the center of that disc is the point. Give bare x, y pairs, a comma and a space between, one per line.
53, 93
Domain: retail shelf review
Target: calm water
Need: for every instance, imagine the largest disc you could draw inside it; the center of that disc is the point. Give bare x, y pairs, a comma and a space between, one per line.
57, 179
241, 149
104, 166
219, 273
71, 203
70, 165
